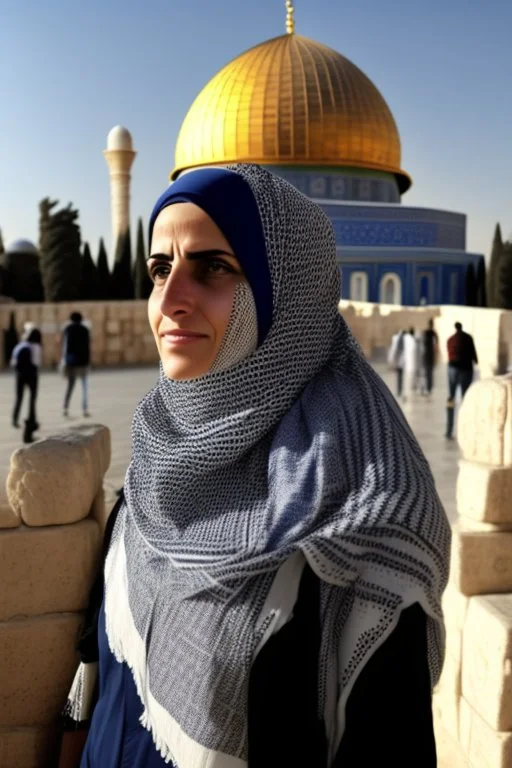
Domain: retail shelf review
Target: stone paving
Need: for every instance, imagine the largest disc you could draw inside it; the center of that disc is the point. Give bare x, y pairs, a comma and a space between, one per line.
115, 393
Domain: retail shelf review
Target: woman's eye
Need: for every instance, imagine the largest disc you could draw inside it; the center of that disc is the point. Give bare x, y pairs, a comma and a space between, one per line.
214, 267
159, 272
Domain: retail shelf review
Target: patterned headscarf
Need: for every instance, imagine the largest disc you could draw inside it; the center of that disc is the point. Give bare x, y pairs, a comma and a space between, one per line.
296, 454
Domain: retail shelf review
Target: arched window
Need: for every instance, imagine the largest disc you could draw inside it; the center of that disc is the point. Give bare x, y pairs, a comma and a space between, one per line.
390, 289
359, 286
425, 290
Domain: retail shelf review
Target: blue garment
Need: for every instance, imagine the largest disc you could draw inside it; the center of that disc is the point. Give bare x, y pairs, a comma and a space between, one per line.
116, 738
228, 200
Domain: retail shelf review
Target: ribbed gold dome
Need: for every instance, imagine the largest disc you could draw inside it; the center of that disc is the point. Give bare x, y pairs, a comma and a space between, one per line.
291, 101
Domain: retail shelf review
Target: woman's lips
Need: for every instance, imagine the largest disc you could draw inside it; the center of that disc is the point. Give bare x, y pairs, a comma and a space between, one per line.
181, 337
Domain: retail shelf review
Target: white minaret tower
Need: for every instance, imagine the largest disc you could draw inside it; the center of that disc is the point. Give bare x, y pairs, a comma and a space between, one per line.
119, 155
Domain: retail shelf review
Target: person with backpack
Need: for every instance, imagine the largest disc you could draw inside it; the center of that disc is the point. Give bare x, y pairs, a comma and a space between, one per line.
26, 360
76, 356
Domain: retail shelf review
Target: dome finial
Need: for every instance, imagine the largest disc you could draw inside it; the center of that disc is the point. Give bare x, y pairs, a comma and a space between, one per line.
290, 22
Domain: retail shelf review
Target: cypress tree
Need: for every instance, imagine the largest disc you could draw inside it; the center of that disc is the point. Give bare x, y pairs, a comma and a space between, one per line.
141, 280
481, 284
493, 279
103, 273
60, 251
122, 279
505, 277
89, 288
471, 290
10, 339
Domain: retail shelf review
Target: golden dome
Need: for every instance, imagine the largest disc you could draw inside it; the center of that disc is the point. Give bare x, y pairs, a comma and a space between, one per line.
291, 101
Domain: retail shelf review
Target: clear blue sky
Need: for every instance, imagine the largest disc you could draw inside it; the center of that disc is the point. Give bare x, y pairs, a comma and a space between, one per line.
69, 71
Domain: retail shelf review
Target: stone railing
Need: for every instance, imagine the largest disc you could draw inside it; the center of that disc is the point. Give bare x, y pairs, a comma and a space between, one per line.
474, 697
51, 521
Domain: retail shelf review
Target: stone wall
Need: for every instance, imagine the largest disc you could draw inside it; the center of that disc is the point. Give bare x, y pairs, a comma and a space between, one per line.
474, 697
121, 332
52, 514
374, 325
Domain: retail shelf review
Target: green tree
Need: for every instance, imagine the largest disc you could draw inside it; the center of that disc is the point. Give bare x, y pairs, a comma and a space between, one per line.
103, 273
122, 279
11, 338
141, 280
59, 245
471, 288
505, 277
493, 279
89, 287
481, 284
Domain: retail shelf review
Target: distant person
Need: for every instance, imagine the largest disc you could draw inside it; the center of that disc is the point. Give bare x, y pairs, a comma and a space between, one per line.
396, 360
76, 356
410, 364
429, 354
461, 357
26, 360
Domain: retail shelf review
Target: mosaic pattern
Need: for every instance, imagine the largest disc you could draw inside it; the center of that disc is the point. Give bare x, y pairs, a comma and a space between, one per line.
385, 233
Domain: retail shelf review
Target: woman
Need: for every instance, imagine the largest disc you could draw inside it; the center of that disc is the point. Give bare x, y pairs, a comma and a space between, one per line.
26, 360
274, 573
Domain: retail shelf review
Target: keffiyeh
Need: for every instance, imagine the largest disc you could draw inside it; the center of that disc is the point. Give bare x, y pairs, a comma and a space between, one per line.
297, 453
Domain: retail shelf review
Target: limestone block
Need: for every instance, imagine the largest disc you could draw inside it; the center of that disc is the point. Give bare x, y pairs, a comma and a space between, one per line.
48, 570
484, 747
125, 311
446, 706
8, 517
113, 327
140, 327
484, 492
38, 659
112, 358
487, 659
467, 524
28, 747
114, 344
450, 680
481, 563
54, 481
96, 356
485, 422
97, 312
131, 355
455, 606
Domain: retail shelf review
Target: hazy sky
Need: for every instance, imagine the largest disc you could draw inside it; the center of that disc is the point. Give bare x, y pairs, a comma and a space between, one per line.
69, 71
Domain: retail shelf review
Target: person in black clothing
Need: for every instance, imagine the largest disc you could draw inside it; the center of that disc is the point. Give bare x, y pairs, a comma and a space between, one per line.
76, 356
26, 359
461, 357
429, 348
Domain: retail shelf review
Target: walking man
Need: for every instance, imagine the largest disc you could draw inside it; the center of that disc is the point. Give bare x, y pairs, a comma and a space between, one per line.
461, 357
429, 350
76, 354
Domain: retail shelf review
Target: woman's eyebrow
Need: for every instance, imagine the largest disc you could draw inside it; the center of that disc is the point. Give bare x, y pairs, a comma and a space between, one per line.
193, 255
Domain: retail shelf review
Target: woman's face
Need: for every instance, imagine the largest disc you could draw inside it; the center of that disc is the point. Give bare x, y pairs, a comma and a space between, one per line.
195, 274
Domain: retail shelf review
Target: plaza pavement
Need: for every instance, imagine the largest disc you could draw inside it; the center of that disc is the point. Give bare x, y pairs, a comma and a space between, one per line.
114, 393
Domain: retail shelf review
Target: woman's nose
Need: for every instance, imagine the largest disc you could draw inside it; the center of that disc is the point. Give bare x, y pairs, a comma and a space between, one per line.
178, 295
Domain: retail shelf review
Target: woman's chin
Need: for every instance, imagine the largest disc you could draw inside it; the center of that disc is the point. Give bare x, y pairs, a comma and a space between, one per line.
182, 369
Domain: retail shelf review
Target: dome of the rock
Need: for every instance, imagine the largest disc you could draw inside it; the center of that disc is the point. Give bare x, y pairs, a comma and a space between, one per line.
291, 101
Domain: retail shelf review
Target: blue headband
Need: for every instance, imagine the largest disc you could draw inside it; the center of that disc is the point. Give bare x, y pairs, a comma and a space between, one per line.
228, 200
